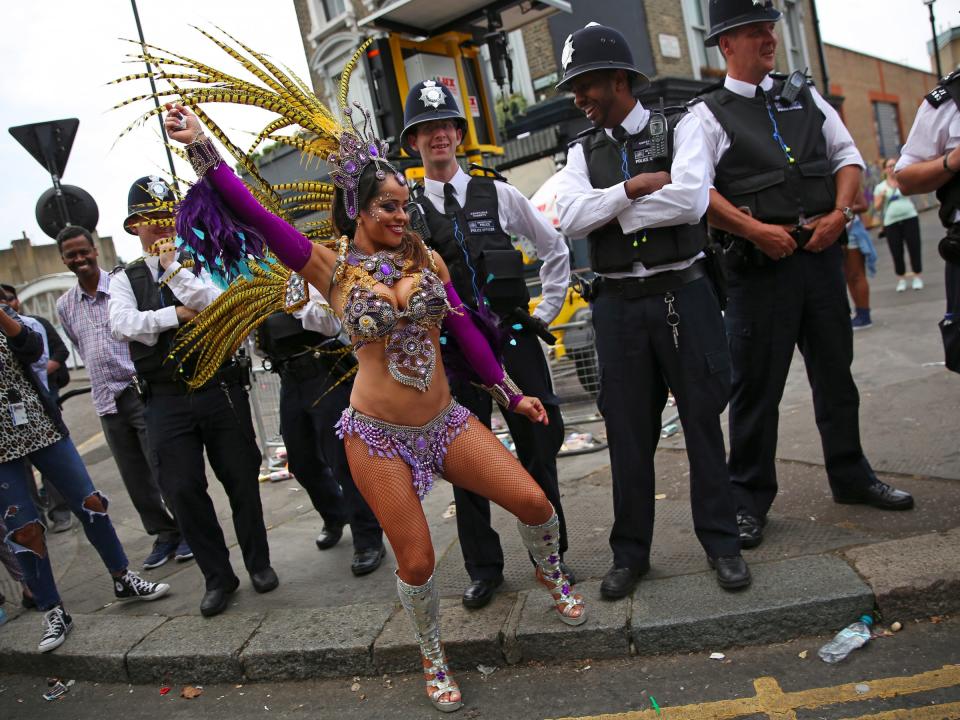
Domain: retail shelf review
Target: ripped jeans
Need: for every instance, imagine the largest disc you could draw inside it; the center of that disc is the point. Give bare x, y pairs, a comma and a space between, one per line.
61, 465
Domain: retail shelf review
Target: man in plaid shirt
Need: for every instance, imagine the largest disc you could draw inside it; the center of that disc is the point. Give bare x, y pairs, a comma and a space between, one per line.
83, 314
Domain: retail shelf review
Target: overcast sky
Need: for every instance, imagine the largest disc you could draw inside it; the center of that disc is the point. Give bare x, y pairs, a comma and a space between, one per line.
56, 61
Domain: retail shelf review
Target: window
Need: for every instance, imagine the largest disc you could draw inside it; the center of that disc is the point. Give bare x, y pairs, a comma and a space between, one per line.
794, 39
886, 117
333, 8
706, 61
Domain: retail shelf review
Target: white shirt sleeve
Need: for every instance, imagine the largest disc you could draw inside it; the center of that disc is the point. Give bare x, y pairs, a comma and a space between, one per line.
317, 315
841, 150
715, 140
581, 207
931, 134
518, 216
127, 323
684, 200
196, 292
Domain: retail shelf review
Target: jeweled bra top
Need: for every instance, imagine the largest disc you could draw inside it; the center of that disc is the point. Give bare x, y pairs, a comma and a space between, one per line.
370, 316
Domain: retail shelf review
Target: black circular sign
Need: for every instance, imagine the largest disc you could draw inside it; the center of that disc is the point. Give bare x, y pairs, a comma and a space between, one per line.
81, 210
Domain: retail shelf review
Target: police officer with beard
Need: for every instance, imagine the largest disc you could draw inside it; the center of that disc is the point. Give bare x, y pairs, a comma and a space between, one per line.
785, 173
634, 186
469, 221
315, 370
930, 161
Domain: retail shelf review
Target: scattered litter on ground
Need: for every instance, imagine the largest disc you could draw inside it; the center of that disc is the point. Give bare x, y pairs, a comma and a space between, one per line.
355, 687
164, 690
578, 441
237, 687
653, 701
896, 626
803, 655
669, 430
450, 512
189, 692
55, 689
486, 670
388, 683
660, 496
717, 656
936, 619
861, 688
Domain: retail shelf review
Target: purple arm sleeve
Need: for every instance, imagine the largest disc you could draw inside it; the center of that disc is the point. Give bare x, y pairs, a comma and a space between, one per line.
284, 240
474, 345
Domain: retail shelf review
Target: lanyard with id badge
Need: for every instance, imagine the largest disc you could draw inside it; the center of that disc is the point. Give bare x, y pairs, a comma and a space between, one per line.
17, 408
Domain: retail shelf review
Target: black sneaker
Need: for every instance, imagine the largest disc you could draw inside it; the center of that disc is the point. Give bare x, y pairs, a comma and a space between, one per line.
56, 624
162, 551
131, 586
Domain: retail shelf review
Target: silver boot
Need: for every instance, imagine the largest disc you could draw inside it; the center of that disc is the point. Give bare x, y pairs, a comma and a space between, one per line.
543, 543
422, 603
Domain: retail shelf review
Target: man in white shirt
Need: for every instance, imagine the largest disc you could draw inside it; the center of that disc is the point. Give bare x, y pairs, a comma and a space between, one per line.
785, 173
469, 221
149, 301
634, 187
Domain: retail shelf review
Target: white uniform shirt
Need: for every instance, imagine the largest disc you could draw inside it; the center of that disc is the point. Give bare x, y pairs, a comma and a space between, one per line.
935, 131
317, 315
841, 149
583, 208
133, 325
518, 216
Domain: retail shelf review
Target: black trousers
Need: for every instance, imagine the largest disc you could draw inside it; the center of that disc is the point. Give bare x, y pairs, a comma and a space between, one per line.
800, 301
180, 427
126, 434
537, 447
316, 457
638, 363
906, 232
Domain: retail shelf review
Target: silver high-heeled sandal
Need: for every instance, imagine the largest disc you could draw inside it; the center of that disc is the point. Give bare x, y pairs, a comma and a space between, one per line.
422, 603
543, 543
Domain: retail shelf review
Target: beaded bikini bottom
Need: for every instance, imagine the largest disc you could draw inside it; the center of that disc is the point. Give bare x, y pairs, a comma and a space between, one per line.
422, 447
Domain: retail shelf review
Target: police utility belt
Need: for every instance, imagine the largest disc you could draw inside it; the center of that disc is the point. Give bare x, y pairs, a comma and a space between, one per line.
658, 284
236, 372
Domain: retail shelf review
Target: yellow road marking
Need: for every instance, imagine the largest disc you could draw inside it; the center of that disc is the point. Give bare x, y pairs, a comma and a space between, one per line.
93, 441
771, 700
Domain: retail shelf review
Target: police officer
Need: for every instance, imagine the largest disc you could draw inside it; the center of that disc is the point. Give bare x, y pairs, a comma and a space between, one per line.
634, 186
470, 221
303, 349
786, 173
930, 161
149, 300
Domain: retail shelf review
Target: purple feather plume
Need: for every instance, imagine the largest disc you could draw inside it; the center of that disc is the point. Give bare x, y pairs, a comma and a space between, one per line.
214, 236
455, 363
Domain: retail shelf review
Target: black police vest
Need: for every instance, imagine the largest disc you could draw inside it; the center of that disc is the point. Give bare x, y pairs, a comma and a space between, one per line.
479, 223
755, 172
949, 193
152, 362
281, 336
610, 249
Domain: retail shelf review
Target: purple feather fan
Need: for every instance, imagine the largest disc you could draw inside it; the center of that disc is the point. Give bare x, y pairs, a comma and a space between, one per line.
455, 363
214, 236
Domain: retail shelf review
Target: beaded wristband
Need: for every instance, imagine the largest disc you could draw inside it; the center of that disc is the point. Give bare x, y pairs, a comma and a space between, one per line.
505, 392
203, 155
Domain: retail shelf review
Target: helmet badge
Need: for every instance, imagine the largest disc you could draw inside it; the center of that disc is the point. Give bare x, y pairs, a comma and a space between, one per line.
568, 51
157, 188
431, 95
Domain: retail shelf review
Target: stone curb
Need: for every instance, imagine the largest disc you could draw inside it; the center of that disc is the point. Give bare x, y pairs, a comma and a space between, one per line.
800, 596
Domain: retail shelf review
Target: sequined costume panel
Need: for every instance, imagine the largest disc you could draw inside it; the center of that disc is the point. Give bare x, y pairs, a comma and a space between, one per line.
422, 447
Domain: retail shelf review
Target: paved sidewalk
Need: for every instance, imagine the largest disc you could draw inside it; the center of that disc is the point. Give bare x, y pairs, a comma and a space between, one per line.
821, 565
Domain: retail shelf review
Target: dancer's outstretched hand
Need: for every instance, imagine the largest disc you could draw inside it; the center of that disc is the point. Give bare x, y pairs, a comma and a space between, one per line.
532, 409
181, 124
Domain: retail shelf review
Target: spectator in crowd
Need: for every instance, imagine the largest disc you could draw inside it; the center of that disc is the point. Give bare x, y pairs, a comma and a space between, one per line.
84, 318
32, 428
859, 261
901, 226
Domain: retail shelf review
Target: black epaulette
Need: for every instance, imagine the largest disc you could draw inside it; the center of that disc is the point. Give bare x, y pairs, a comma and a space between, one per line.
118, 268
583, 135
476, 170
940, 94
706, 91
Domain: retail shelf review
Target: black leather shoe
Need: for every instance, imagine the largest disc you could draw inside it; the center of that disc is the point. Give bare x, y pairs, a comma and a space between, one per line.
568, 573
879, 495
619, 582
480, 592
329, 536
215, 601
366, 561
732, 572
265, 580
751, 529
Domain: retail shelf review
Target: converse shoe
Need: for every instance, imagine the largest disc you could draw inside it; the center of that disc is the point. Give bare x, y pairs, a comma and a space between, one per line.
57, 624
162, 551
861, 320
901, 285
917, 283
131, 586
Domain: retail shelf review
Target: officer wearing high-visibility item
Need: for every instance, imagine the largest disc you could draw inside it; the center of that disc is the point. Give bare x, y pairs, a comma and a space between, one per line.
469, 222
930, 161
785, 173
634, 186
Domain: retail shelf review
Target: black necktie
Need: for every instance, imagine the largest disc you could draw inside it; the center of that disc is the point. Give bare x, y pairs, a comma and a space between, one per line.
450, 205
620, 134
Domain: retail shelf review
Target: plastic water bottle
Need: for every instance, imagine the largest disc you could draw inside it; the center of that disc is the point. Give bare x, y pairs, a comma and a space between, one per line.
847, 640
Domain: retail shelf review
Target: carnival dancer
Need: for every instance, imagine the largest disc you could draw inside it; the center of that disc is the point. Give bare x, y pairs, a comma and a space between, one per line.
393, 295
469, 221
634, 186
785, 173
930, 162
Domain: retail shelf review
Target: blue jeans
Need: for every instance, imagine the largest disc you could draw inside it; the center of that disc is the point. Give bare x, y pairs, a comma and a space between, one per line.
61, 465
